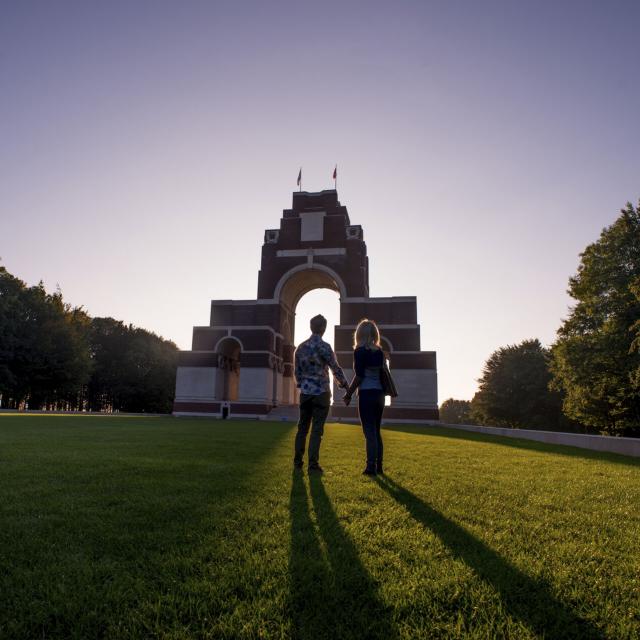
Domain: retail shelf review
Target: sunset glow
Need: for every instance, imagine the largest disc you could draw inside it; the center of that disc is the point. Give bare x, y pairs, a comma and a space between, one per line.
146, 148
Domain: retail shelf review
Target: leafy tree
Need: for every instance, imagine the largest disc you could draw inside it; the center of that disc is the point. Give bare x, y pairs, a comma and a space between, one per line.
596, 358
58, 363
11, 313
456, 412
44, 358
108, 345
53, 356
154, 361
514, 390
134, 369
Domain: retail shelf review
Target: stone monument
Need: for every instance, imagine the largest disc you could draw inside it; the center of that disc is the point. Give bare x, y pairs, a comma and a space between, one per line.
241, 364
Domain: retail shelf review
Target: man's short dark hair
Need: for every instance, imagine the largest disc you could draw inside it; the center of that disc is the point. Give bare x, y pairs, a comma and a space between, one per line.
318, 324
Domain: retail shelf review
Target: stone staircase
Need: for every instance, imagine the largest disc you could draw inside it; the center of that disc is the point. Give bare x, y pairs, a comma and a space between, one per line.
285, 413
291, 413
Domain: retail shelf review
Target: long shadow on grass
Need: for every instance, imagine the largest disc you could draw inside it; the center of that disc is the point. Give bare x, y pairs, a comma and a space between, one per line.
517, 443
332, 594
524, 598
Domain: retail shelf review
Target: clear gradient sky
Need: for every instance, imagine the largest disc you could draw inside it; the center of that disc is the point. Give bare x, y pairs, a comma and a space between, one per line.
145, 147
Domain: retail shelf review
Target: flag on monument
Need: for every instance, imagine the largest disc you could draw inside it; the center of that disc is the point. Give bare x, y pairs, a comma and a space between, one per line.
299, 177
335, 172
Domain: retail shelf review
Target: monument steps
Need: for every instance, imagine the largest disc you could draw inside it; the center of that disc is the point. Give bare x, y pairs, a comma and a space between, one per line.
285, 412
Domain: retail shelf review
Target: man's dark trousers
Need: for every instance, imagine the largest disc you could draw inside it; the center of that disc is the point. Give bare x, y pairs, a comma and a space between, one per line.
313, 412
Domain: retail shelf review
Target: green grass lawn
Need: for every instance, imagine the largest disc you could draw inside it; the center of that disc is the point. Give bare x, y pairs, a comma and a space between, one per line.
189, 528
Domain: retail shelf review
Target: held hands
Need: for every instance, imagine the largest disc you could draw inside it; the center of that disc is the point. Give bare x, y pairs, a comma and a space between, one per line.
347, 399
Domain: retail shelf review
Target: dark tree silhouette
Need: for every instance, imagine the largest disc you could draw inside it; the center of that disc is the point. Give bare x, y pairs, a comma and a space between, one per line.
53, 356
456, 411
44, 355
134, 370
514, 390
596, 358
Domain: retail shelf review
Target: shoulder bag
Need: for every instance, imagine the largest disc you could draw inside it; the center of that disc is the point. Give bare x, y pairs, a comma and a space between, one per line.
388, 385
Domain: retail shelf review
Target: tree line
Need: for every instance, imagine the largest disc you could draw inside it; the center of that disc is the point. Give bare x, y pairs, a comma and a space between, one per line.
589, 379
56, 357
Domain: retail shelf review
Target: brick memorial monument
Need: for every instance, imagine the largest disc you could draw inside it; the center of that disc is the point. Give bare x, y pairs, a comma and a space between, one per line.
241, 364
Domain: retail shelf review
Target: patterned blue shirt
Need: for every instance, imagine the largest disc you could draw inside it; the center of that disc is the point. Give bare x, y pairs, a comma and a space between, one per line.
313, 359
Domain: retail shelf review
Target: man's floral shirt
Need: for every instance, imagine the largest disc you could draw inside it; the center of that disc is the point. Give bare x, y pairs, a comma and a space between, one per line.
313, 358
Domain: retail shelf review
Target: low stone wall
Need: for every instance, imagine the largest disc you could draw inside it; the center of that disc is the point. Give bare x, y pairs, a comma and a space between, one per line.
609, 444
28, 412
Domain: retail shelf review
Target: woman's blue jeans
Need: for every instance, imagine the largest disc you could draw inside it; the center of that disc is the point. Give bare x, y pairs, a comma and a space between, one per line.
370, 408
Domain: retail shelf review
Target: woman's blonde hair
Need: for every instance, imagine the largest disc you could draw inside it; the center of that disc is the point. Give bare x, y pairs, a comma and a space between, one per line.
366, 335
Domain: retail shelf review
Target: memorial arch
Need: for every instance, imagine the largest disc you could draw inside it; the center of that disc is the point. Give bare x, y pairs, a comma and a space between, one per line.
241, 364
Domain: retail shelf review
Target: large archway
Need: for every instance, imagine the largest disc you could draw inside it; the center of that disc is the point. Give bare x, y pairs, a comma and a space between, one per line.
303, 279
317, 301
315, 247
295, 285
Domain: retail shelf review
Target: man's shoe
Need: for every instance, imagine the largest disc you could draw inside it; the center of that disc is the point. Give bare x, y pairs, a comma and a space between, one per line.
369, 472
297, 465
315, 468
379, 470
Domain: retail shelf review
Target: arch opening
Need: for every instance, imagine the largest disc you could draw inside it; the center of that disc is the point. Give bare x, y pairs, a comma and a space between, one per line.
319, 300
316, 301
229, 352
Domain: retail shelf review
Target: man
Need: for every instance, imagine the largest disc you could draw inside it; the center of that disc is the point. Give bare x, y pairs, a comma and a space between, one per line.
313, 359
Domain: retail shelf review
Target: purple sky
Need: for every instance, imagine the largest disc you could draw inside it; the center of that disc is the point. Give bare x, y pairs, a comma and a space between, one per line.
145, 147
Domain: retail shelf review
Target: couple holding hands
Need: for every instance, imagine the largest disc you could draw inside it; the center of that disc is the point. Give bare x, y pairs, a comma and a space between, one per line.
313, 359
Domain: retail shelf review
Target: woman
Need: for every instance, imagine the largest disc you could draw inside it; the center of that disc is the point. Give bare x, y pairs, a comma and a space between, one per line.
368, 360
